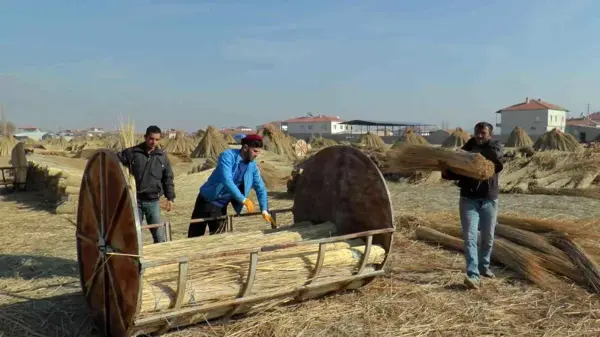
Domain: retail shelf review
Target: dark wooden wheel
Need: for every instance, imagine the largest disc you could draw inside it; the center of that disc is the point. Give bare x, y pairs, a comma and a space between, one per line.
343, 185
108, 245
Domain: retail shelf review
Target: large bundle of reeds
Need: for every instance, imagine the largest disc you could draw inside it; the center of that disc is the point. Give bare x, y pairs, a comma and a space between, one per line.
410, 158
277, 142
179, 145
556, 140
410, 137
57, 142
457, 139
7, 143
540, 250
519, 138
271, 176
215, 279
127, 139
211, 145
371, 141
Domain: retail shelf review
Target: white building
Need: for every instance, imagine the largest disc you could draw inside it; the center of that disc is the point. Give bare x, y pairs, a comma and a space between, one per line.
535, 116
29, 132
320, 124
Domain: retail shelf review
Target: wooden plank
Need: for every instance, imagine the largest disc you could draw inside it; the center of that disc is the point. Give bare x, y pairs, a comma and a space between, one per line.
181, 283
222, 217
365, 256
316, 271
249, 283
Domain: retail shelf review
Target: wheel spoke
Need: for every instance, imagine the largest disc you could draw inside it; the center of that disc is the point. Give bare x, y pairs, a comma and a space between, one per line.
92, 200
116, 215
106, 294
101, 182
117, 296
86, 238
89, 284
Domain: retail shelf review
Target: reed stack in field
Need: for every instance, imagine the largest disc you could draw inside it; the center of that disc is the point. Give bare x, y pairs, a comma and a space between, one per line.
320, 142
457, 139
371, 141
7, 143
332, 245
229, 138
556, 140
211, 145
411, 158
278, 142
180, 145
519, 138
410, 137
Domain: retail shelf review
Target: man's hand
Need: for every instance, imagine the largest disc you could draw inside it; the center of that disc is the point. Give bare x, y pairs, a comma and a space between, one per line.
269, 219
249, 205
169, 205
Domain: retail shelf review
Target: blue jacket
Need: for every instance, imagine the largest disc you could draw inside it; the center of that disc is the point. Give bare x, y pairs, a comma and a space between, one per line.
222, 178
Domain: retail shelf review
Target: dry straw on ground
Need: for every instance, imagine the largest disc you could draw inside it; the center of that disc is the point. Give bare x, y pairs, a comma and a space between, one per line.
211, 145
519, 138
457, 139
411, 158
410, 137
556, 140
279, 143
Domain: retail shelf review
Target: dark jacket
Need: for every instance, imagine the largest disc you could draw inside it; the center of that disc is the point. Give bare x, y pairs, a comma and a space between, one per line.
152, 172
480, 189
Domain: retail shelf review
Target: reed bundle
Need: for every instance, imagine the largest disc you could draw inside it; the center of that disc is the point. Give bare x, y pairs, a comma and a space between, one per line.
546, 226
278, 142
216, 279
320, 142
371, 141
179, 145
7, 143
519, 138
556, 140
457, 139
530, 240
127, 139
410, 158
211, 145
410, 137
585, 263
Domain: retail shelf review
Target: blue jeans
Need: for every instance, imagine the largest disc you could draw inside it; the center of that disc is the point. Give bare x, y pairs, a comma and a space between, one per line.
151, 210
478, 214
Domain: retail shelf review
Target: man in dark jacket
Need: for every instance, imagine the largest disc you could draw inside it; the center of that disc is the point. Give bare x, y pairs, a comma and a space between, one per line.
479, 205
153, 175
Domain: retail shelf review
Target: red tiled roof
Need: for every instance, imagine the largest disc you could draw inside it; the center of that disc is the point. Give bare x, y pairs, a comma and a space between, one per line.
314, 119
583, 121
533, 104
595, 116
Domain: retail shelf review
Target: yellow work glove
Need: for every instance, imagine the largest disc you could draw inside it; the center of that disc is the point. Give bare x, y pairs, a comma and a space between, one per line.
268, 218
249, 205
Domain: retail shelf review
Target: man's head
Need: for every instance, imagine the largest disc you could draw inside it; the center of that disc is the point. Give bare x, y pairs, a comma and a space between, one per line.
483, 132
152, 137
251, 145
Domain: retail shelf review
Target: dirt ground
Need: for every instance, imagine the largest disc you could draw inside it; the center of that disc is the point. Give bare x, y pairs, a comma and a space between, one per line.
420, 295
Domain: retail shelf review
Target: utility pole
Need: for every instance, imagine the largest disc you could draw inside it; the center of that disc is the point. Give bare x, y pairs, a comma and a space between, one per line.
588, 109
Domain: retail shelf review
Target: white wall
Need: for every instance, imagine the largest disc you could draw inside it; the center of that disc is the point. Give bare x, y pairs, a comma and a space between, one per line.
534, 122
318, 128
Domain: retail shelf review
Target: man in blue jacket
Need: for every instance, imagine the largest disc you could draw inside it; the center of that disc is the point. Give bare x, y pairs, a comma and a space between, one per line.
236, 173
478, 205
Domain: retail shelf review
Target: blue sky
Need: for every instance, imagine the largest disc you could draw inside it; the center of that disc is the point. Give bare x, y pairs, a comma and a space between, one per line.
188, 64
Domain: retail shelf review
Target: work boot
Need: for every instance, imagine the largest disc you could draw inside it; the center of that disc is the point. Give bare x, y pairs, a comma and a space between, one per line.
487, 273
472, 282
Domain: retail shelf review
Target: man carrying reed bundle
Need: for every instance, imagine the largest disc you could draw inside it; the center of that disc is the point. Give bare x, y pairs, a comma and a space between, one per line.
478, 204
153, 175
236, 173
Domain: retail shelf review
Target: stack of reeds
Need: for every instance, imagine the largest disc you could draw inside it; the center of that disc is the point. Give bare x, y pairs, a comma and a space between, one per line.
519, 138
222, 278
457, 139
411, 158
7, 143
371, 141
211, 145
541, 250
556, 140
410, 137
180, 145
319, 142
127, 139
229, 138
278, 142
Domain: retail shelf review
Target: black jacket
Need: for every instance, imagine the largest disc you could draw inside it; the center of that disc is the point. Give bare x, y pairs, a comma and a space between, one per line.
480, 189
152, 172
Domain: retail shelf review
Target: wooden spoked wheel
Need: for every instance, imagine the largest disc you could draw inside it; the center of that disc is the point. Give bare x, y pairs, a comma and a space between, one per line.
108, 245
301, 148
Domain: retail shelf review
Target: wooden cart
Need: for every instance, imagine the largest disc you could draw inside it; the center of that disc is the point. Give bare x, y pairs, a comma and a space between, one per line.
340, 185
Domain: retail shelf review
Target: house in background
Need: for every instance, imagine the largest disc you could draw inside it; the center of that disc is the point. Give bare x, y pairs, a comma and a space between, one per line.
320, 124
584, 128
30, 132
535, 116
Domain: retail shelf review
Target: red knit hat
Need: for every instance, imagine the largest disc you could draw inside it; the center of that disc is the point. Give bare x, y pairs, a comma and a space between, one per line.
253, 137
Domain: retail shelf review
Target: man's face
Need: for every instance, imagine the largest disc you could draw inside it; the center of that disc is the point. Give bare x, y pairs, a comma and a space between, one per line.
482, 135
251, 152
152, 140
